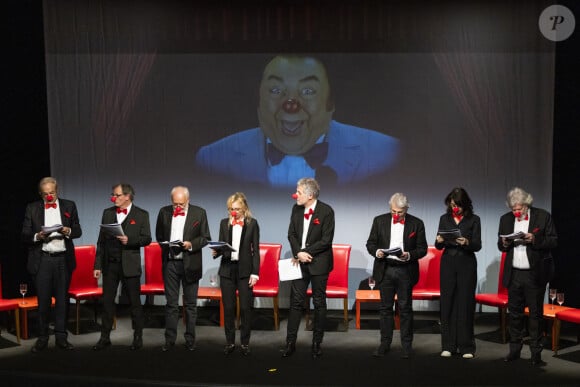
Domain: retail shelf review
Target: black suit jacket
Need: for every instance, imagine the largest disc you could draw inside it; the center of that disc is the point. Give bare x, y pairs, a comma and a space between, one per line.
319, 237
34, 220
539, 252
414, 242
195, 231
137, 228
248, 253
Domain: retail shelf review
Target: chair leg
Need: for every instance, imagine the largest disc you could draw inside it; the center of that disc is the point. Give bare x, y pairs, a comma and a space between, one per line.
345, 305
238, 312
276, 316
503, 323
78, 316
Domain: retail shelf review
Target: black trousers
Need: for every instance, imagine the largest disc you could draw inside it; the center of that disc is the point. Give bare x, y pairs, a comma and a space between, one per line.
52, 280
297, 299
111, 278
458, 281
396, 280
229, 286
523, 291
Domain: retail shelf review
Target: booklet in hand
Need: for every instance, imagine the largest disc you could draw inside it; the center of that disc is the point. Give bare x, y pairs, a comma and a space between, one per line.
395, 251
514, 235
51, 229
177, 243
450, 235
113, 229
219, 245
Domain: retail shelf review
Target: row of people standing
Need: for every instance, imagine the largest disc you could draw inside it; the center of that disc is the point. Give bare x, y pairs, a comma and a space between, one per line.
528, 265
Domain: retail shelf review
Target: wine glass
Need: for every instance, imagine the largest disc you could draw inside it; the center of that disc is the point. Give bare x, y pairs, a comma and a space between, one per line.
213, 280
371, 283
553, 293
560, 298
23, 290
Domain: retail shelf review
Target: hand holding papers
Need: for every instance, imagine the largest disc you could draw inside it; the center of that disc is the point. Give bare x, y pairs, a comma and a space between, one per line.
218, 245
288, 271
172, 243
450, 235
50, 229
394, 253
113, 229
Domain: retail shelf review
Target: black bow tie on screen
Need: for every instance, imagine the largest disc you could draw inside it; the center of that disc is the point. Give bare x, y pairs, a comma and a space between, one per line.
314, 157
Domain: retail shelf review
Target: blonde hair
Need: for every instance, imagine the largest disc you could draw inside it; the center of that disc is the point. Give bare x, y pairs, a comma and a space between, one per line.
239, 197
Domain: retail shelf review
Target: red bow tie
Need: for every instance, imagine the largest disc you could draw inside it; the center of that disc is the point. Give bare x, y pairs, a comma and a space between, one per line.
178, 212
458, 217
49, 205
238, 222
123, 210
518, 215
400, 220
525, 218
307, 214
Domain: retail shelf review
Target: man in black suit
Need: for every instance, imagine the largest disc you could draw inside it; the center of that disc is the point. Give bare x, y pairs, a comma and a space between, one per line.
396, 273
51, 257
527, 269
119, 260
182, 263
310, 235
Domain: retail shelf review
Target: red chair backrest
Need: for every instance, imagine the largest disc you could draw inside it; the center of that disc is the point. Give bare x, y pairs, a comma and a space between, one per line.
82, 276
269, 257
339, 274
153, 263
429, 267
0, 281
500, 288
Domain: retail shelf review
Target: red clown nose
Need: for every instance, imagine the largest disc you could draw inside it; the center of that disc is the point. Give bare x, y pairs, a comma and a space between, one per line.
113, 199
49, 198
234, 214
518, 214
294, 196
455, 210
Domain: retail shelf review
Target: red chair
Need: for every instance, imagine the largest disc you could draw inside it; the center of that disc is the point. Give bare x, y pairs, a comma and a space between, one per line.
499, 300
83, 284
153, 272
337, 285
429, 286
268, 285
7, 305
569, 315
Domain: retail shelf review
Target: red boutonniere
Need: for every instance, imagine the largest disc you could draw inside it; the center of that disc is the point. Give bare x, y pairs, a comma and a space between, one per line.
411, 235
132, 221
66, 214
316, 221
535, 230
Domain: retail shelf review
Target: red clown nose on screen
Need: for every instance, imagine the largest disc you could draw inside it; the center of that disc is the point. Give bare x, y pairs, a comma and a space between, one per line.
294, 196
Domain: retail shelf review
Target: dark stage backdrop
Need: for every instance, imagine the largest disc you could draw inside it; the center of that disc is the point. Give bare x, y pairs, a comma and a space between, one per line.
134, 91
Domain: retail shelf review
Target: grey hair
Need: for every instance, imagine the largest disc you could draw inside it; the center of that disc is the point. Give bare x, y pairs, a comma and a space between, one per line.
399, 200
180, 188
518, 196
310, 185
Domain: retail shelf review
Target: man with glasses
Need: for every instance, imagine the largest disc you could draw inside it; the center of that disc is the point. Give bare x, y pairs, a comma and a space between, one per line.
397, 242
118, 259
527, 235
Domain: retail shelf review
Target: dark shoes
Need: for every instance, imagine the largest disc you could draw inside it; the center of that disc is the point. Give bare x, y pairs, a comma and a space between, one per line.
245, 349
64, 344
316, 350
167, 346
190, 345
137, 342
39, 346
382, 350
512, 355
289, 349
102, 344
537, 360
229, 348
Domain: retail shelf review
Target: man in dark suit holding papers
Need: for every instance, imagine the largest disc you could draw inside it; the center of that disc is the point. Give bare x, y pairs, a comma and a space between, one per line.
527, 269
118, 259
310, 234
396, 274
182, 264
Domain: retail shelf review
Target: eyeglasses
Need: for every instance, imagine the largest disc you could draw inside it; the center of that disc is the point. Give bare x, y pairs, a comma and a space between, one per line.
117, 195
236, 209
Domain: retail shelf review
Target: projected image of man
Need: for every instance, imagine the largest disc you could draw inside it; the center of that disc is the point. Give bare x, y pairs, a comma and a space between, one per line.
297, 136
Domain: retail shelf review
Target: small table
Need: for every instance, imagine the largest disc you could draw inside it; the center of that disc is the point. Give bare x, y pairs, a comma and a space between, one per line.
549, 313
26, 304
372, 296
212, 293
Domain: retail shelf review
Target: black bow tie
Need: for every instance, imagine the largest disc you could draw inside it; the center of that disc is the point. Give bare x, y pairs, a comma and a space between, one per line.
314, 157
